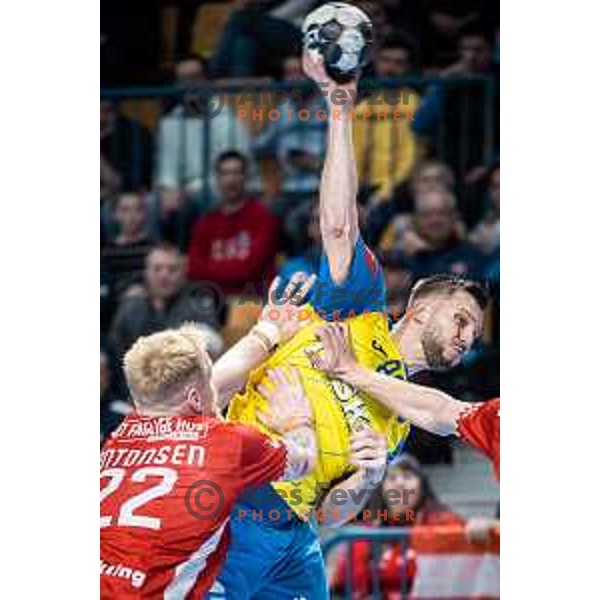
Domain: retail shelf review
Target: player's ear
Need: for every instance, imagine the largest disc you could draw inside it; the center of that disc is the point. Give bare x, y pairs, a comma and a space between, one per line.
418, 312
192, 403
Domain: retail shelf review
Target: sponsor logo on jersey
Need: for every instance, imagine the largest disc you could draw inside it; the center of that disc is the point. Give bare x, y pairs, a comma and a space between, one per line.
135, 576
161, 428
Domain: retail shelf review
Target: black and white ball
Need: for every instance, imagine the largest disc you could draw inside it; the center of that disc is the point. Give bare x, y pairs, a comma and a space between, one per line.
343, 35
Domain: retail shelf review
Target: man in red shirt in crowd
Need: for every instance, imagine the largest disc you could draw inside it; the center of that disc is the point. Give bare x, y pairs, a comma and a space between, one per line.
171, 472
234, 245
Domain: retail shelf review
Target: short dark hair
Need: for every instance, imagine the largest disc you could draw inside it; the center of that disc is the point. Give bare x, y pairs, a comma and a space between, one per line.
399, 39
232, 155
449, 284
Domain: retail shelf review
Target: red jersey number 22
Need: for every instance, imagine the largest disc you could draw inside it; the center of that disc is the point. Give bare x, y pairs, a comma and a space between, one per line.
126, 517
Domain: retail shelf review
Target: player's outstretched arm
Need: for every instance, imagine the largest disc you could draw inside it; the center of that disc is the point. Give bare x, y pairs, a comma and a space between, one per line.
291, 416
231, 371
347, 499
337, 197
427, 408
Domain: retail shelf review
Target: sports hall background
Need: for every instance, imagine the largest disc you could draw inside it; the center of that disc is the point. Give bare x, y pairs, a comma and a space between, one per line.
162, 195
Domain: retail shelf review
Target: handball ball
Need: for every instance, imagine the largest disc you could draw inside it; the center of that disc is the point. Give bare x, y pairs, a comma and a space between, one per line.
343, 35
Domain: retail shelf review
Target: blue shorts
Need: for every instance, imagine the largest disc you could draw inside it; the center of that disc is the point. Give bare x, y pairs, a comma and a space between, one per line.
362, 290
271, 561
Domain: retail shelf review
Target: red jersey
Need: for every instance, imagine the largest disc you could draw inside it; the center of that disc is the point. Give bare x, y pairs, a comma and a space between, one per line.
167, 486
480, 427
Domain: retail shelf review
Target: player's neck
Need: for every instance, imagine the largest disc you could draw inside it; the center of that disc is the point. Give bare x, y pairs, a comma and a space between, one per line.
157, 411
178, 411
407, 338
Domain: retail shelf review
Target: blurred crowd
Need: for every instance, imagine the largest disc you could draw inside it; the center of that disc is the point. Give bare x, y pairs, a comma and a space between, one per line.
394, 566
198, 215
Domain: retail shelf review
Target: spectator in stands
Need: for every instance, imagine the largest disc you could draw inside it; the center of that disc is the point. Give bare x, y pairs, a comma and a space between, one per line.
125, 253
234, 246
380, 17
188, 145
113, 409
126, 152
163, 302
432, 175
298, 145
443, 22
432, 239
386, 148
107, 298
486, 235
398, 283
307, 261
384, 220
257, 36
466, 106
406, 499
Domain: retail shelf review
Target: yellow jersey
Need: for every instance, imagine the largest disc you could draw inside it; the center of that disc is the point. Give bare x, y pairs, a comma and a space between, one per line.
338, 408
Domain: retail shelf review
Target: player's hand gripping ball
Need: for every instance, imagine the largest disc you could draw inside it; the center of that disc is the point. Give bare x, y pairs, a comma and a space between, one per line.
343, 35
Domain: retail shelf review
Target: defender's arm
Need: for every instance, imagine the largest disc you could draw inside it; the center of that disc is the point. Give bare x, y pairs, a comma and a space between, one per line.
427, 408
231, 371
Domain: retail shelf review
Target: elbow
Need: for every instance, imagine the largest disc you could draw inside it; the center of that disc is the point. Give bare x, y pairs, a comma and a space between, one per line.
334, 230
437, 427
337, 222
339, 235
439, 423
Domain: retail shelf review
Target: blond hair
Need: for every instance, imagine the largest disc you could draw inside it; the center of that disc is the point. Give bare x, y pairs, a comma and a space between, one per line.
159, 366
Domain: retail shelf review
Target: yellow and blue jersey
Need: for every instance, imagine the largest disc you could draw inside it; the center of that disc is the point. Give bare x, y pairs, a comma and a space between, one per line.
339, 410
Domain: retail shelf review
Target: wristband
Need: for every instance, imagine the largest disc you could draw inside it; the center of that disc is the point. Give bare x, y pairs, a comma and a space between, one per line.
262, 340
267, 333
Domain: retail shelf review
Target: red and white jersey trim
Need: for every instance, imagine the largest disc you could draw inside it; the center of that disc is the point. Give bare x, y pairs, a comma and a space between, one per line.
187, 573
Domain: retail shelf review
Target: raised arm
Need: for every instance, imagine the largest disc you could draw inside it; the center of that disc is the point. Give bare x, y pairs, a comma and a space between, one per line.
231, 371
425, 407
337, 197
